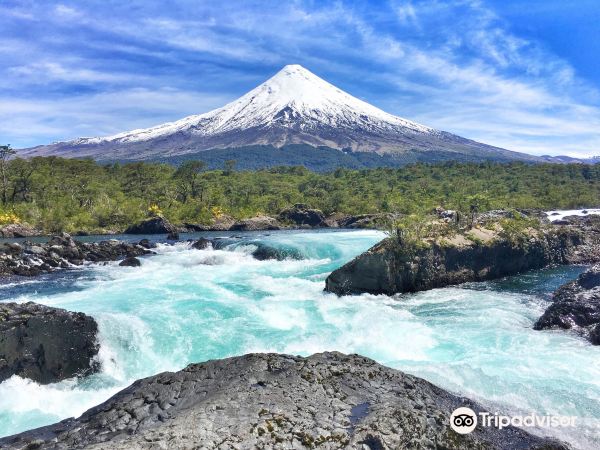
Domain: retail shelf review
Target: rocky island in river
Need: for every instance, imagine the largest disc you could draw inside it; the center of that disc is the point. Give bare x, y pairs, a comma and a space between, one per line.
487, 250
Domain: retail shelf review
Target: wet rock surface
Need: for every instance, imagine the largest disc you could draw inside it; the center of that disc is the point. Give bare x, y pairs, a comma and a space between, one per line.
130, 261
272, 401
202, 244
45, 344
266, 252
576, 305
61, 252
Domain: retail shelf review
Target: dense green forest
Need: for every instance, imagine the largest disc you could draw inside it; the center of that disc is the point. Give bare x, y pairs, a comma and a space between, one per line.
68, 194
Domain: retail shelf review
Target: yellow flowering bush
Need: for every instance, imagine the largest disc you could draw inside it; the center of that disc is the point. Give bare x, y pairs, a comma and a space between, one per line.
8, 218
154, 211
217, 212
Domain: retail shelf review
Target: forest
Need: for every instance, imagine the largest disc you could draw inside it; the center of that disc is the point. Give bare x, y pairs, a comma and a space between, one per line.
54, 194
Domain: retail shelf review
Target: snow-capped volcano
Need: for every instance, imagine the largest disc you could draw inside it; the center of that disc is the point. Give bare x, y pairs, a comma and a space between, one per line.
293, 107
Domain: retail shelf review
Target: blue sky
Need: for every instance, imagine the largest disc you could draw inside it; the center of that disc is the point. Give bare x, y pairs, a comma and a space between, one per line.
523, 75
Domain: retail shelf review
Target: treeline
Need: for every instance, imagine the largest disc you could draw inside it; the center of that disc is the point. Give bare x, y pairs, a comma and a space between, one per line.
67, 194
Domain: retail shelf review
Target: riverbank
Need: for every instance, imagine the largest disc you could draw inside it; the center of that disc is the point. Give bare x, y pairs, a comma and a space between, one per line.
296, 217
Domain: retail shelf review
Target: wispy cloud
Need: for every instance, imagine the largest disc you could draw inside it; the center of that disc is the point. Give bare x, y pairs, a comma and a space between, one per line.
454, 65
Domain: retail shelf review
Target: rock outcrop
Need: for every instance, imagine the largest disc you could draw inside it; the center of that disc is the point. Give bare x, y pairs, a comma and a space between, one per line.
386, 269
576, 305
62, 251
45, 344
18, 230
153, 225
360, 221
302, 215
257, 223
271, 401
222, 223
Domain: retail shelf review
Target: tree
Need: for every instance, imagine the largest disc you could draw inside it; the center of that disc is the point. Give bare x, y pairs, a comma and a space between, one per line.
188, 178
229, 167
22, 174
5, 153
476, 203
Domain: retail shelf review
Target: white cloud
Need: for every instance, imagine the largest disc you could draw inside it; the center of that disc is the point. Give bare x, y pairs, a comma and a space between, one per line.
99, 115
45, 72
67, 12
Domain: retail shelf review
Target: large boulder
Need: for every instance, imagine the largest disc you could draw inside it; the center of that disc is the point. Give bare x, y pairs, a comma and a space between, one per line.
271, 401
153, 225
131, 261
45, 344
18, 230
265, 252
390, 268
202, 244
576, 305
257, 223
302, 215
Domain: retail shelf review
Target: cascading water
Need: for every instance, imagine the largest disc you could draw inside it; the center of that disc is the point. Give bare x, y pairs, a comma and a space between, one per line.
185, 305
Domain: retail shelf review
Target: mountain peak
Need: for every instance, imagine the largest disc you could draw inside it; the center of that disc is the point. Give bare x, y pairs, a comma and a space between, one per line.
294, 106
294, 69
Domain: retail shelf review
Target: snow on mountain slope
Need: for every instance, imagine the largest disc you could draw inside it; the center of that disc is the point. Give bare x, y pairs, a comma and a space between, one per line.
293, 107
291, 95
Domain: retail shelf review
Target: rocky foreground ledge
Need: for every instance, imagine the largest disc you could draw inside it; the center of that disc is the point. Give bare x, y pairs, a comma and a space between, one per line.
272, 401
477, 255
576, 306
45, 344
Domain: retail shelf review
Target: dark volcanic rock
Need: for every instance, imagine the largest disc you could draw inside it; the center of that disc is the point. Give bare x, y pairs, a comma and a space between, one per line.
256, 224
132, 261
265, 252
271, 401
62, 251
173, 236
576, 306
45, 344
361, 221
145, 243
301, 214
154, 225
383, 269
202, 244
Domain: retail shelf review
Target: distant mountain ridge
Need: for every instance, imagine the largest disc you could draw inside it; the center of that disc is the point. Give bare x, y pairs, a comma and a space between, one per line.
294, 107
564, 159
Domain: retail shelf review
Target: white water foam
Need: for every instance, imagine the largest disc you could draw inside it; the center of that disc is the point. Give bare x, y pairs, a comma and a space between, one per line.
185, 305
561, 214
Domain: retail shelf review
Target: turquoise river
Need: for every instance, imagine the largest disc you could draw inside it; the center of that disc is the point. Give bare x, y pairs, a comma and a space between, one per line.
185, 305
